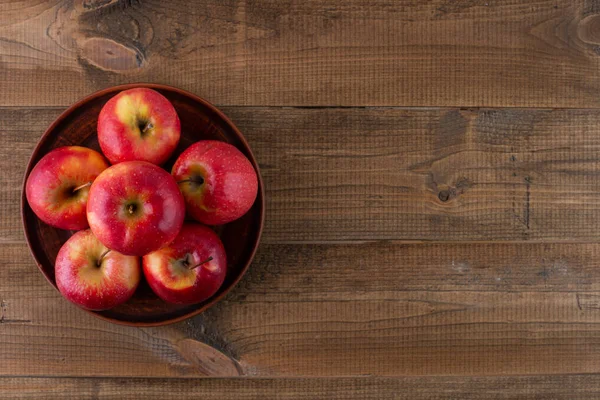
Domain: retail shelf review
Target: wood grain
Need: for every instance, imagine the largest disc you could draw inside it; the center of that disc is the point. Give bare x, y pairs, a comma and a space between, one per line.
432, 187
541, 53
427, 174
410, 388
321, 272
335, 310
398, 174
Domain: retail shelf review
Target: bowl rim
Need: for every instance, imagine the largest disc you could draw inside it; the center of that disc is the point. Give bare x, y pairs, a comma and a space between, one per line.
261, 194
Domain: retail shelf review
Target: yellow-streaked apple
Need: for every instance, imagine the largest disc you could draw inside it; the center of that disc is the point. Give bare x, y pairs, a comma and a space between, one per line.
190, 269
57, 187
90, 275
138, 124
218, 182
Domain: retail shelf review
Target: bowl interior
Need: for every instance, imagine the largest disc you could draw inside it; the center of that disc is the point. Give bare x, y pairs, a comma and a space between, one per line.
199, 121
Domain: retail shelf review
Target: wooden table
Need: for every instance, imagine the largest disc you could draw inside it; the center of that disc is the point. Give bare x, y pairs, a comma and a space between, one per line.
432, 177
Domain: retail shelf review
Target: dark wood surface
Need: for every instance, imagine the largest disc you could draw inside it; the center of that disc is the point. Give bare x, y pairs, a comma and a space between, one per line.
432, 187
565, 387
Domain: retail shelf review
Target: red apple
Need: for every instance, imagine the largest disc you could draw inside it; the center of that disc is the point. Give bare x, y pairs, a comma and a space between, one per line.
218, 182
190, 269
57, 187
138, 124
92, 276
135, 207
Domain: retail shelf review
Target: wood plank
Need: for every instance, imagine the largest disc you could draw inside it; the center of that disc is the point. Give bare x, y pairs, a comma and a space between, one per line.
312, 311
397, 174
427, 174
411, 388
324, 272
406, 335
320, 52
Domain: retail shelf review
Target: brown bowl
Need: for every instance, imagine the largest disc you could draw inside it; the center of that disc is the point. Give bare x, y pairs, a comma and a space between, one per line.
199, 120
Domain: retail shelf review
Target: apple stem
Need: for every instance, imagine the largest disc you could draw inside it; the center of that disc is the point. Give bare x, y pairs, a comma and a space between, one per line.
82, 186
197, 181
201, 263
147, 127
99, 263
131, 209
